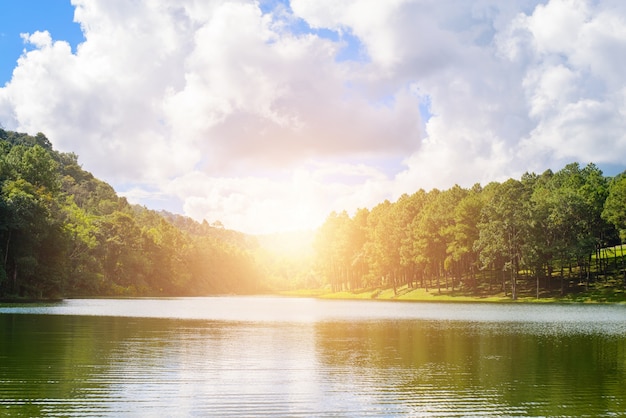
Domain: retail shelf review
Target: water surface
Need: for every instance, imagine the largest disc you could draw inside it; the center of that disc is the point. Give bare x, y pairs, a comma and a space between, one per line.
261, 356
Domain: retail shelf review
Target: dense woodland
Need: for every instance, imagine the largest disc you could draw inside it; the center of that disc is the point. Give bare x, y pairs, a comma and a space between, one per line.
65, 233
548, 234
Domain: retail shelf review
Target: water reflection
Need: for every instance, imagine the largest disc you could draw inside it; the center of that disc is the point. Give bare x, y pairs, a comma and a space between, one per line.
335, 362
439, 369
92, 366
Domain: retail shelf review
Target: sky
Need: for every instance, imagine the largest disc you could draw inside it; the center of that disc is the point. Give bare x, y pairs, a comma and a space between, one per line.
268, 115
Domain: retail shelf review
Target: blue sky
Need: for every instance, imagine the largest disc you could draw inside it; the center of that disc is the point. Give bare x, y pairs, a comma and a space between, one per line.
28, 16
268, 115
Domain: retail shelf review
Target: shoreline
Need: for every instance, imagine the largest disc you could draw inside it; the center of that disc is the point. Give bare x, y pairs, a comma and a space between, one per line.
402, 294
28, 301
421, 295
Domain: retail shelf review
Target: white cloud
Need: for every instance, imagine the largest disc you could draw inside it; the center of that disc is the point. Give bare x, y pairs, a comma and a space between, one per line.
250, 117
556, 25
574, 82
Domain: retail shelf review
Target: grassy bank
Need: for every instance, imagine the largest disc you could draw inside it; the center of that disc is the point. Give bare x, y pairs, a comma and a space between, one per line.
433, 295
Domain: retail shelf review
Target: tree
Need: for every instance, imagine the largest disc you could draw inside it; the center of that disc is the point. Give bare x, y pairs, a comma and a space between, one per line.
32, 241
464, 232
33, 164
120, 241
614, 211
432, 231
83, 270
581, 194
502, 228
411, 208
383, 245
332, 245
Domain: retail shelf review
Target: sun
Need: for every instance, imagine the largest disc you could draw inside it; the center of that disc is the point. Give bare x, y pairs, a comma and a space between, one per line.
295, 244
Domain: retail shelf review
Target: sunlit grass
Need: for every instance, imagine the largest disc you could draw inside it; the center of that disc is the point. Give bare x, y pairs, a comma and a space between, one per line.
607, 287
405, 293
611, 252
348, 295
304, 292
401, 293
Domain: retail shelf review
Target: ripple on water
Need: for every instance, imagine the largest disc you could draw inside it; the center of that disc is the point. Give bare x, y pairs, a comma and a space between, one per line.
386, 360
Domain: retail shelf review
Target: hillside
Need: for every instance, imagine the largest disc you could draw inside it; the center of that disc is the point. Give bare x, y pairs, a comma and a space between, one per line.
64, 232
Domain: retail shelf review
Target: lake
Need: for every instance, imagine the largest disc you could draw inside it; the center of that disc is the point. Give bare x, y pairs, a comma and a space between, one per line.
272, 356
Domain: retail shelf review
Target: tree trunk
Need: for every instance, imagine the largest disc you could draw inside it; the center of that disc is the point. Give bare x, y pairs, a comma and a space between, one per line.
6, 254
621, 251
537, 277
454, 273
438, 281
14, 287
513, 283
589, 272
562, 281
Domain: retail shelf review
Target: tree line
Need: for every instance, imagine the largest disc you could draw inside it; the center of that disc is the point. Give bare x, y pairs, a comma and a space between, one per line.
63, 233
541, 234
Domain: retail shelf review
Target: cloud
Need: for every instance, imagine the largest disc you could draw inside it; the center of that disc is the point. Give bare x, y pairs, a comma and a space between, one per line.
574, 84
254, 114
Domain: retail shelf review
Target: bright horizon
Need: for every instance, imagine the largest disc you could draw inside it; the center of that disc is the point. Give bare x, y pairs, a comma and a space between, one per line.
269, 115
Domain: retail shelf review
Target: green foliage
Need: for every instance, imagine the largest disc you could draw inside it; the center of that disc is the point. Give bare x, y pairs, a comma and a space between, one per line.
540, 235
614, 210
64, 233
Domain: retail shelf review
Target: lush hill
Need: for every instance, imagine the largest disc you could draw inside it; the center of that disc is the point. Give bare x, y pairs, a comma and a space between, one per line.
63, 232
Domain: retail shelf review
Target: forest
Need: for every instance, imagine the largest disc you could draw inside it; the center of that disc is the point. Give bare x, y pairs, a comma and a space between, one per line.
64, 233
552, 234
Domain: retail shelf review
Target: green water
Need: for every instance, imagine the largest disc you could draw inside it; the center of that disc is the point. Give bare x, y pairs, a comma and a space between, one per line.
301, 357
